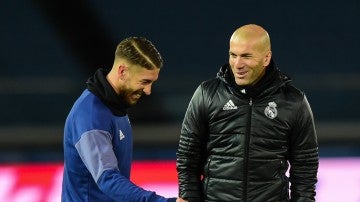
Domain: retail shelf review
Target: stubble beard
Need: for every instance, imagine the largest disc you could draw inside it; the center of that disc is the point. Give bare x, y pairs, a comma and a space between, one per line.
127, 95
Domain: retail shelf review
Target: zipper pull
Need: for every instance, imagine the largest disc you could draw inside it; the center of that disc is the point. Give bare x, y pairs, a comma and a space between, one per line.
250, 102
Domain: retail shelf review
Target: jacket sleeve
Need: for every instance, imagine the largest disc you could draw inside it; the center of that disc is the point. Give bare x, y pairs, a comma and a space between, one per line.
120, 188
304, 158
192, 143
95, 150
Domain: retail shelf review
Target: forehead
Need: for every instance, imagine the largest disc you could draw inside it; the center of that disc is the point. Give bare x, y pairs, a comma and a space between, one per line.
141, 73
243, 46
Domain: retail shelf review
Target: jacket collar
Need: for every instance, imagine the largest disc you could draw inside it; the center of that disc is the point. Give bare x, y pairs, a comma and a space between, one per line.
99, 85
272, 78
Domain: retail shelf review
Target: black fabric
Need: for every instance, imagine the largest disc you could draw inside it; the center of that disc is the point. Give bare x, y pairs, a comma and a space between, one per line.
242, 153
99, 85
263, 83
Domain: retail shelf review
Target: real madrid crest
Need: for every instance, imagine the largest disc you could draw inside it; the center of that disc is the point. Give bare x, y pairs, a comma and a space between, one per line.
270, 110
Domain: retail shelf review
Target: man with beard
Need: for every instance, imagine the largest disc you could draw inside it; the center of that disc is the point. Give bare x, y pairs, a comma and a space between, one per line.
98, 134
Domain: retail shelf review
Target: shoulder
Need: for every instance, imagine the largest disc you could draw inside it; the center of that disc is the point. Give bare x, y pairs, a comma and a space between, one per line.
90, 112
293, 93
210, 83
297, 99
209, 87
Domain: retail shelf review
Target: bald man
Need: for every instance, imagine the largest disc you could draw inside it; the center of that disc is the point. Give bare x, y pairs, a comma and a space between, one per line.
243, 129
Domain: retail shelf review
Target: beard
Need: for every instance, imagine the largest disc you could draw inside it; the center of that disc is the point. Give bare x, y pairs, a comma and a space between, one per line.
130, 96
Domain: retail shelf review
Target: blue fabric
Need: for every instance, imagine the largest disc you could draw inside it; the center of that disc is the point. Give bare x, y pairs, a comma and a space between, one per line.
98, 154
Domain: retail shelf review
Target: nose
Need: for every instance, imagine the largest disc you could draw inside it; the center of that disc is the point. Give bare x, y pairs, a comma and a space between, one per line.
238, 62
147, 89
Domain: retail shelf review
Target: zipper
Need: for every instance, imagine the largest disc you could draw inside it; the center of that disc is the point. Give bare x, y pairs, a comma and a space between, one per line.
246, 155
207, 177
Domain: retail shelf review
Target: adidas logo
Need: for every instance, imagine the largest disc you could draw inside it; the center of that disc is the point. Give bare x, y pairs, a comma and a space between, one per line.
122, 136
229, 105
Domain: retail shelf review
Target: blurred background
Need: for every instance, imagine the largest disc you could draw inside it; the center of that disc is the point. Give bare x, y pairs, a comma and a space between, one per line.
50, 48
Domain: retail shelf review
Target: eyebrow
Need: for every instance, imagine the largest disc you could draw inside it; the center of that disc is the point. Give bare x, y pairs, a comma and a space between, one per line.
241, 55
246, 54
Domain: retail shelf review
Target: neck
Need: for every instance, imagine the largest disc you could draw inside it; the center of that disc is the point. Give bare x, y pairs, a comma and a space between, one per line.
112, 80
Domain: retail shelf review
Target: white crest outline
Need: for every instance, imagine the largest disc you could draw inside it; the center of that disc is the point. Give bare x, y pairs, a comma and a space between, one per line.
271, 111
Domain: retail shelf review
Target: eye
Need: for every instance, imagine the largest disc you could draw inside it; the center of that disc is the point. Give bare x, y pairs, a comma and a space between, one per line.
246, 56
145, 82
232, 55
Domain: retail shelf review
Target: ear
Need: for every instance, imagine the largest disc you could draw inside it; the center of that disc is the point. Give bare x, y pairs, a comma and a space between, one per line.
267, 58
122, 71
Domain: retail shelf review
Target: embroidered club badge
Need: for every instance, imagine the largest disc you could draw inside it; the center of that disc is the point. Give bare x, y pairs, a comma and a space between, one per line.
270, 110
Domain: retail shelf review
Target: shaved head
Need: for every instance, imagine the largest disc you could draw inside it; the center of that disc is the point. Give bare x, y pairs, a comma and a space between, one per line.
249, 54
253, 33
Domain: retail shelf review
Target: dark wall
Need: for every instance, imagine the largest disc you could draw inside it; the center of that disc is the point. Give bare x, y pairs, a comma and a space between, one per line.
49, 48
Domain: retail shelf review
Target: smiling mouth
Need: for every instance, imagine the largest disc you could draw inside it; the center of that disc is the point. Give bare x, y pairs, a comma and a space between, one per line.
241, 74
137, 96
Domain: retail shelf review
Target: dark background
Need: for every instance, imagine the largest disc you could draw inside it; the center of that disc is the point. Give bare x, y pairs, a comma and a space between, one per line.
49, 49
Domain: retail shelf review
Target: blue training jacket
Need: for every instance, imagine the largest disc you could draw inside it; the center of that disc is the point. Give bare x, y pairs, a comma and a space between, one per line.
98, 154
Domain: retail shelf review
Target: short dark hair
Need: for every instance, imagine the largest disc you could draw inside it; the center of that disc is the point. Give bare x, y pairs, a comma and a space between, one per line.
139, 51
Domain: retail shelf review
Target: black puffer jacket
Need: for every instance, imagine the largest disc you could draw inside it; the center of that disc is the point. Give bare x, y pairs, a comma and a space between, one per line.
236, 144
